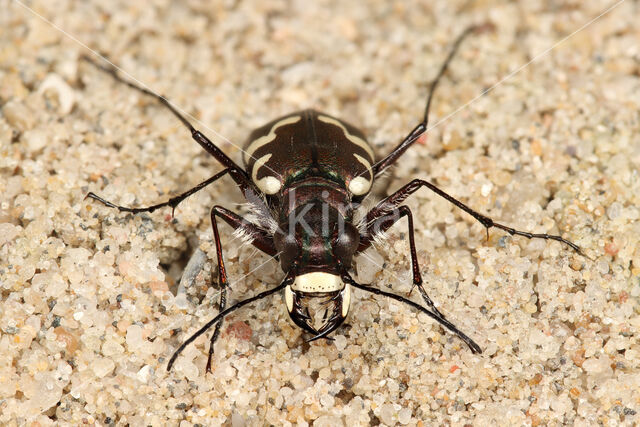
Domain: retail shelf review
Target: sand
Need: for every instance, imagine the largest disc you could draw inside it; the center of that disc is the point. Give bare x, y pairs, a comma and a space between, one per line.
91, 305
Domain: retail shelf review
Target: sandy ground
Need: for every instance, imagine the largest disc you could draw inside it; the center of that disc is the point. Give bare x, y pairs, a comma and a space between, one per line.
89, 313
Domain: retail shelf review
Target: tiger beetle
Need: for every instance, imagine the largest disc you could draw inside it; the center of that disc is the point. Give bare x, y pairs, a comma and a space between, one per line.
304, 176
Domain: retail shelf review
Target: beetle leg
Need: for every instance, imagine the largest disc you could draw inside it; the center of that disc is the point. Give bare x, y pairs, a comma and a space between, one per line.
241, 177
286, 282
222, 281
389, 204
260, 240
383, 223
255, 200
475, 348
216, 332
173, 202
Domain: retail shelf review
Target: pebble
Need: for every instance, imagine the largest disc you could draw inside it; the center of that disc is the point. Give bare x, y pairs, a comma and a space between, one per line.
368, 265
69, 339
603, 267
340, 342
64, 93
404, 416
328, 421
595, 365
102, 367
134, 338
485, 190
614, 211
8, 232
144, 374
18, 115
36, 139
388, 414
192, 269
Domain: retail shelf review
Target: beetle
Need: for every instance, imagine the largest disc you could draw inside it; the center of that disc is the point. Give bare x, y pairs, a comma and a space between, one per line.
304, 175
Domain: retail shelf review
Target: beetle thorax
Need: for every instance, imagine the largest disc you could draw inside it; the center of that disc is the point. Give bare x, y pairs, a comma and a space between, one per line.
315, 228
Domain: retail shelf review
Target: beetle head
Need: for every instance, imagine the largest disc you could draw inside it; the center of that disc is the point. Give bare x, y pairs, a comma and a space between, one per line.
318, 239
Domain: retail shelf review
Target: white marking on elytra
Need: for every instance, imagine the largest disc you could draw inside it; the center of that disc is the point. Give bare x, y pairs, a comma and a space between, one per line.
268, 184
317, 281
265, 139
361, 185
353, 138
358, 185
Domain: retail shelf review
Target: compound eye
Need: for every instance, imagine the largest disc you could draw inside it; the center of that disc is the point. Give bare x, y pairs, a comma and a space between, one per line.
346, 244
288, 247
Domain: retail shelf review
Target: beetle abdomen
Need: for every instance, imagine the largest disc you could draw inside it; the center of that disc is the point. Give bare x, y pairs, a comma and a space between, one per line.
305, 144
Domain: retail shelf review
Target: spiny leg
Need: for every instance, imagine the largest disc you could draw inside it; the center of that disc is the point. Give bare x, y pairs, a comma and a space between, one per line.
222, 282
173, 202
391, 202
413, 136
216, 331
261, 240
475, 348
382, 224
287, 281
242, 179
254, 199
